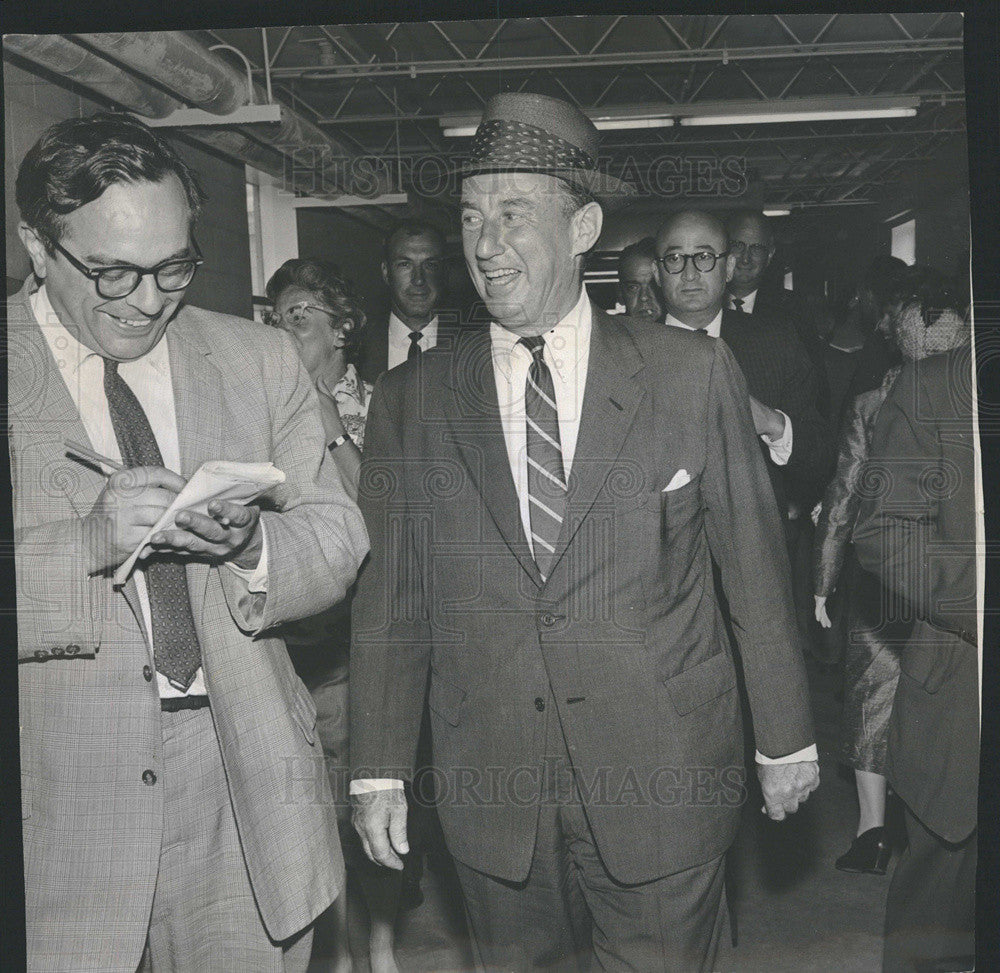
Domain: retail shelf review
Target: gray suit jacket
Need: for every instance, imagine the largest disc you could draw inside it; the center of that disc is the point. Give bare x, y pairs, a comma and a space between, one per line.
626, 632
90, 721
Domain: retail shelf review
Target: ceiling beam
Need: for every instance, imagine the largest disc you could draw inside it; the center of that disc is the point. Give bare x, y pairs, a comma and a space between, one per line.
621, 59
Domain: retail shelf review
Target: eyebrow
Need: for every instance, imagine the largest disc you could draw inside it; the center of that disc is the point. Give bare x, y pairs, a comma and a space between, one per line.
103, 258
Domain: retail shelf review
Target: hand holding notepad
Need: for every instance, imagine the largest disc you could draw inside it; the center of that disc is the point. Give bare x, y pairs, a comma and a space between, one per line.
214, 480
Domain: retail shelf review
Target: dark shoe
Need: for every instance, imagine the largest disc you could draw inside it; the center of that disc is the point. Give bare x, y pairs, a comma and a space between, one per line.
869, 853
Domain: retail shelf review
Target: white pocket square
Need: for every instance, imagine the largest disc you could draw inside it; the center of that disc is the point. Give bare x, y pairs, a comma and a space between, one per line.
681, 478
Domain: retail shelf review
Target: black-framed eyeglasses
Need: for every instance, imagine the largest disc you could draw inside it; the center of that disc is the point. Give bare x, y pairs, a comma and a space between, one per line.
120, 280
704, 261
756, 250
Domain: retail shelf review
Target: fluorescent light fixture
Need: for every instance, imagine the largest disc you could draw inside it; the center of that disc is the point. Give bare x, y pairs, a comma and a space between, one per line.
613, 124
777, 212
663, 115
770, 118
825, 109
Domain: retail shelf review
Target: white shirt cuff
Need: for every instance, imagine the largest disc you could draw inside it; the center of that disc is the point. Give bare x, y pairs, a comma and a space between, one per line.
808, 753
368, 785
256, 578
780, 448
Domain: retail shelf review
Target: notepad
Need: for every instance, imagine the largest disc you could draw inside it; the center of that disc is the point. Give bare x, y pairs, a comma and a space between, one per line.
214, 480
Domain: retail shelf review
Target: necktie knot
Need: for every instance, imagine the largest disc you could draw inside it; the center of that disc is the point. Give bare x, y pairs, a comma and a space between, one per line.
738, 304
535, 344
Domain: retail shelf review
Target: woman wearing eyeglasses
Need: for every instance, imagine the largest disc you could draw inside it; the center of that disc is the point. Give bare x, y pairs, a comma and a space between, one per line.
319, 309
323, 315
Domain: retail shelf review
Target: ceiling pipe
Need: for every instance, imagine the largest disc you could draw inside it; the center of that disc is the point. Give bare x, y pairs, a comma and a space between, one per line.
189, 70
57, 54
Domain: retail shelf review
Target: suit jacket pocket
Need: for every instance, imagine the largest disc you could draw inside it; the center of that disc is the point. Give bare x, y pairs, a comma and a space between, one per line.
679, 507
702, 682
445, 699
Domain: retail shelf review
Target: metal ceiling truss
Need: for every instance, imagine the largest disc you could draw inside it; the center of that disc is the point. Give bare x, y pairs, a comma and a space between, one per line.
688, 58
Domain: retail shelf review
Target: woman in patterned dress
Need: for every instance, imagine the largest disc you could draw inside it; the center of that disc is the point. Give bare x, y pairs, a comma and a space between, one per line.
922, 318
318, 307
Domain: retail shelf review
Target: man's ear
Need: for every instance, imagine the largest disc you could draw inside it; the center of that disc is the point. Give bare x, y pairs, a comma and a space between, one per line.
385, 273
586, 226
730, 267
36, 249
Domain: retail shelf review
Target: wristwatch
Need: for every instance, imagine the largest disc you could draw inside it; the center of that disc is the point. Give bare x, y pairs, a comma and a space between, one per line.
339, 441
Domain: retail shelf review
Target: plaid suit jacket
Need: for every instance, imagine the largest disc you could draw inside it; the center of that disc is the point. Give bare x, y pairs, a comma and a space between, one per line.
90, 720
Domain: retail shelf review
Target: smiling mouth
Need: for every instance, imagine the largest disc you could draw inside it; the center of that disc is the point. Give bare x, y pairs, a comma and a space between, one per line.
501, 278
131, 324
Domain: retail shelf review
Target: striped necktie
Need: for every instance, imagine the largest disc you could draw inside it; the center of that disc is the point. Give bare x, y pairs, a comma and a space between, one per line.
546, 479
176, 650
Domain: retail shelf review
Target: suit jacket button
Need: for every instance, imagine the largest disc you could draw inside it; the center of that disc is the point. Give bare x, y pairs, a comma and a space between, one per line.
548, 619
148, 778
539, 703
147, 673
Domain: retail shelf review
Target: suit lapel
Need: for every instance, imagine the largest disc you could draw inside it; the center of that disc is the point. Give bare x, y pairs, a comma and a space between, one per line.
39, 395
610, 400
474, 419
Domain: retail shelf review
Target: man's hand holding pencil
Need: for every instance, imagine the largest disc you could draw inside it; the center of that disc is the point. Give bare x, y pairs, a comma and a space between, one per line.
135, 500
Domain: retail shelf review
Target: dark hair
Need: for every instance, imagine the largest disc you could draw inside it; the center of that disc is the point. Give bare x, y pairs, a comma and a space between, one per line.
336, 291
878, 284
928, 288
411, 228
646, 247
76, 160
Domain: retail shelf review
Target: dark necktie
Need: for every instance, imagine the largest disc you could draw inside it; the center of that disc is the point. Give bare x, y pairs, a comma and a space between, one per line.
415, 349
546, 479
738, 305
176, 651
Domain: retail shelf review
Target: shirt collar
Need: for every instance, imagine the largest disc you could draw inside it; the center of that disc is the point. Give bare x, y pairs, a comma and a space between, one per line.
72, 353
402, 327
572, 332
713, 328
748, 301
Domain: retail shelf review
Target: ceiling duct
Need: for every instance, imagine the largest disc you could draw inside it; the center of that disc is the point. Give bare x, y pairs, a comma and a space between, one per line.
294, 149
203, 79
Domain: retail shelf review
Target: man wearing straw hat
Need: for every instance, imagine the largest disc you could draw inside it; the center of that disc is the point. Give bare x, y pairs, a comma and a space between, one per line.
544, 500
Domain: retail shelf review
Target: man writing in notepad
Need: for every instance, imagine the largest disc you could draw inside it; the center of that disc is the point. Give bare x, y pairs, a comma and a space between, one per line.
172, 783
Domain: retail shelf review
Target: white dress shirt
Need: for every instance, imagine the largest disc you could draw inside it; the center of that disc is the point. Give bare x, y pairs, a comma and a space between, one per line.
399, 339
780, 448
149, 378
567, 353
748, 302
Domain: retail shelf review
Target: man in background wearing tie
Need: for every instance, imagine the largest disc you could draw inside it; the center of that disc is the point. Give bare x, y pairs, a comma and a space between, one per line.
544, 500
173, 804
694, 264
413, 269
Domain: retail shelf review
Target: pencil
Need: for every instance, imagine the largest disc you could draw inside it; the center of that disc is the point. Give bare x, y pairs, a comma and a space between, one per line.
83, 452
